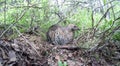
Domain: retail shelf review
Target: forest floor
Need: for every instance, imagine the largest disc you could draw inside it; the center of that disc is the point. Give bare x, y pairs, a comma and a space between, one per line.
31, 50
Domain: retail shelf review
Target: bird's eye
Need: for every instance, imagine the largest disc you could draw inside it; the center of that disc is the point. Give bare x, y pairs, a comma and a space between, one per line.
75, 26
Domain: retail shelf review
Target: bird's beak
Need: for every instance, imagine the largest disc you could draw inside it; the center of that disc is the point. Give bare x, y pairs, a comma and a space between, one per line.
76, 28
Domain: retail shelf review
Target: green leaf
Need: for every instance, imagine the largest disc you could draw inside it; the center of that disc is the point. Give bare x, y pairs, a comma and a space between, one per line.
65, 64
110, 22
60, 63
104, 1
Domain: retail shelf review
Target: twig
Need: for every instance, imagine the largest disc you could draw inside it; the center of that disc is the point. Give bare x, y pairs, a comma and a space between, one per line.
61, 17
101, 47
93, 29
5, 14
14, 22
97, 46
29, 6
92, 19
113, 11
93, 48
2, 2
118, 12
103, 16
69, 47
104, 5
110, 26
115, 29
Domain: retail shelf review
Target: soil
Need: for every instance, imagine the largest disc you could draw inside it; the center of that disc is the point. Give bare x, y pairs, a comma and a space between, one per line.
31, 50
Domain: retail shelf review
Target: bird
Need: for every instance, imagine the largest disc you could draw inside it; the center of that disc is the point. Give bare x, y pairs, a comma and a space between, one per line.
60, 35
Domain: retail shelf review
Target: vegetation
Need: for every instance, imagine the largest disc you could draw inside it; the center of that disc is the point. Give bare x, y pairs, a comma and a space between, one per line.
44, 14
62, 64
98, 20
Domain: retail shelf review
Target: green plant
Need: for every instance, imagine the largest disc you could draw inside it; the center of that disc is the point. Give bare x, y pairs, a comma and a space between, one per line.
60, 63
116, 35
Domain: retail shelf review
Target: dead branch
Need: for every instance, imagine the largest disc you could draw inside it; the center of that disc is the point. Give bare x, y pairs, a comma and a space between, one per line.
69, 48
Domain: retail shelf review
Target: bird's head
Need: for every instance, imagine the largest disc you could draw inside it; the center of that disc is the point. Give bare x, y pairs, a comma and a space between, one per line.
72, 27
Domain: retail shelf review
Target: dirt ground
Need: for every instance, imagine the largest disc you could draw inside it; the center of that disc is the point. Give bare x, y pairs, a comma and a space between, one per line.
31, 50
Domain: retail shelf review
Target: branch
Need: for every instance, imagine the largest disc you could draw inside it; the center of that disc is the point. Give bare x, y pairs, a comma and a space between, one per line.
110, 26
98, 45
103, 16
93, 29
5, 13
92, 19
113, 10
105, 4
29, 6
14, 22
115, 29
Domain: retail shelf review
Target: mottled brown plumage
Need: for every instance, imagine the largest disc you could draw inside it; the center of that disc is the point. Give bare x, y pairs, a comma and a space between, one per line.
61, 35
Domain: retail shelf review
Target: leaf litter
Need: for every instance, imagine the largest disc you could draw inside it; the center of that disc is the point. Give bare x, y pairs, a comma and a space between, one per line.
18, 52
